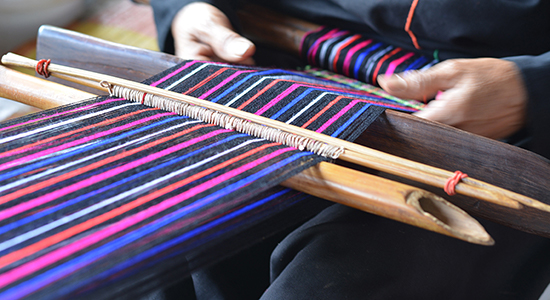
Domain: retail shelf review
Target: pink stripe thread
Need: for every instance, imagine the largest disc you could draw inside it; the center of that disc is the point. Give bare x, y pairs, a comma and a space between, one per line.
224, 82
97, 237
305, 35
277, 99
163, 79
393, 65
350, 53
328, 35
77, 142
339, 50
63, 113
41, 144
100, 177
338, 115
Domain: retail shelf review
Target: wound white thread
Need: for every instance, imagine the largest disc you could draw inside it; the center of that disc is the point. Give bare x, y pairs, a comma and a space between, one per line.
228, 121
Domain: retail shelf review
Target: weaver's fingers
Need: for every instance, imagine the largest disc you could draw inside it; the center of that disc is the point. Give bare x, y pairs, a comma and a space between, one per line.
201, 31
447, 108
457, 107
229, 46
196, 50
207, 25
420, 85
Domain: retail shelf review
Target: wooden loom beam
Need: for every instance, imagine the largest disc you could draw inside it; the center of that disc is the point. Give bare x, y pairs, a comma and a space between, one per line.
350, 152
393, 132
335, 183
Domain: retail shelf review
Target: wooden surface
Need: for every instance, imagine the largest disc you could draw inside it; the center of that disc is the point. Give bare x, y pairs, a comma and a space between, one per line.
492, 161
13, 84
387, 198
403, 135
435, 144
278, 31
327, 181
106, 57
269, 128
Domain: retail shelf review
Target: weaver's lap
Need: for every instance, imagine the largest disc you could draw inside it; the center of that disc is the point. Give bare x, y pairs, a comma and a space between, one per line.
343, 253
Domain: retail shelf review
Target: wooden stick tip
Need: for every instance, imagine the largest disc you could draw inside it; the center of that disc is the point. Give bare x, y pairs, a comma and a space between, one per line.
454, 220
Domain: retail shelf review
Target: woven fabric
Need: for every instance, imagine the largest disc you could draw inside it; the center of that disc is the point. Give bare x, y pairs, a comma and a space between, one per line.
358, 56
99, 197
101, 179
401, 104
292, 97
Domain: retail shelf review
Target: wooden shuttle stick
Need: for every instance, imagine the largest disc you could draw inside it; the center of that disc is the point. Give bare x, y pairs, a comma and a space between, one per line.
352, 152
33, 91
393, 132
366, 192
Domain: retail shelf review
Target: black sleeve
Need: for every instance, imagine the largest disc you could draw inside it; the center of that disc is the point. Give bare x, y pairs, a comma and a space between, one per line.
165, 10
536, 75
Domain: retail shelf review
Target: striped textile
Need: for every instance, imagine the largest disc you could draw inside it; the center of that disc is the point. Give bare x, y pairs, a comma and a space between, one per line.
413, 105
104, 197
358, 56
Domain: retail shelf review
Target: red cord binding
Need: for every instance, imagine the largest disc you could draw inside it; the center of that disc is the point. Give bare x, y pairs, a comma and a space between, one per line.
143, 98
42, 67
453, 181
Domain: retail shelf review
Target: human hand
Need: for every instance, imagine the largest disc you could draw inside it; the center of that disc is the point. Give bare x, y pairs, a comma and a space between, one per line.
201, 31
485, 96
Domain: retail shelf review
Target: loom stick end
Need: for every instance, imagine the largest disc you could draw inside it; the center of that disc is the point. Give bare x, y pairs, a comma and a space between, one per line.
449, 217
389, 199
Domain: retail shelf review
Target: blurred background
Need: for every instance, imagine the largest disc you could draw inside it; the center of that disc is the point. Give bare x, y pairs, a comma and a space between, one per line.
120, 21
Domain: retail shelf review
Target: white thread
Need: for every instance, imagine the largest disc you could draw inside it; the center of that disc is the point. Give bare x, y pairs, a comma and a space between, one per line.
229, 122
247, 90
87, 210
307, 107
60, 124
371, 61
336, 49
187, 76
82, 160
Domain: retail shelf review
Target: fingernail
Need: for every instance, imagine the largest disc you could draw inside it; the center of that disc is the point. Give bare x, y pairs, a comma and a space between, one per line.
238, 47
396, 83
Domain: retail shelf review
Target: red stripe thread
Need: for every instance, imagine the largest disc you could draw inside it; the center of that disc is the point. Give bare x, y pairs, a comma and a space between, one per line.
72, 231
408, 24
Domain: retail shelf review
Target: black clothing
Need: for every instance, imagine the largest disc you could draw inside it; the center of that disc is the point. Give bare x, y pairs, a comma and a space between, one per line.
346, 254
343, 253
515, 30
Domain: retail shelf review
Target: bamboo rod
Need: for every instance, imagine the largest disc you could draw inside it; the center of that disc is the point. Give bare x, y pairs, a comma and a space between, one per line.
352, 152
366, 192
286, 33
387, 198
57, 95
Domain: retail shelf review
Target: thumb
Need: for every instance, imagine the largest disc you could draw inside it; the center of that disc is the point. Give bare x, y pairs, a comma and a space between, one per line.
203, 31
227, 44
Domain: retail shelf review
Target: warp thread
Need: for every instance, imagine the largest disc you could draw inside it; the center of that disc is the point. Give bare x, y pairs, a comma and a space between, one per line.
227, 121
107, 193
357, 56
365, 87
